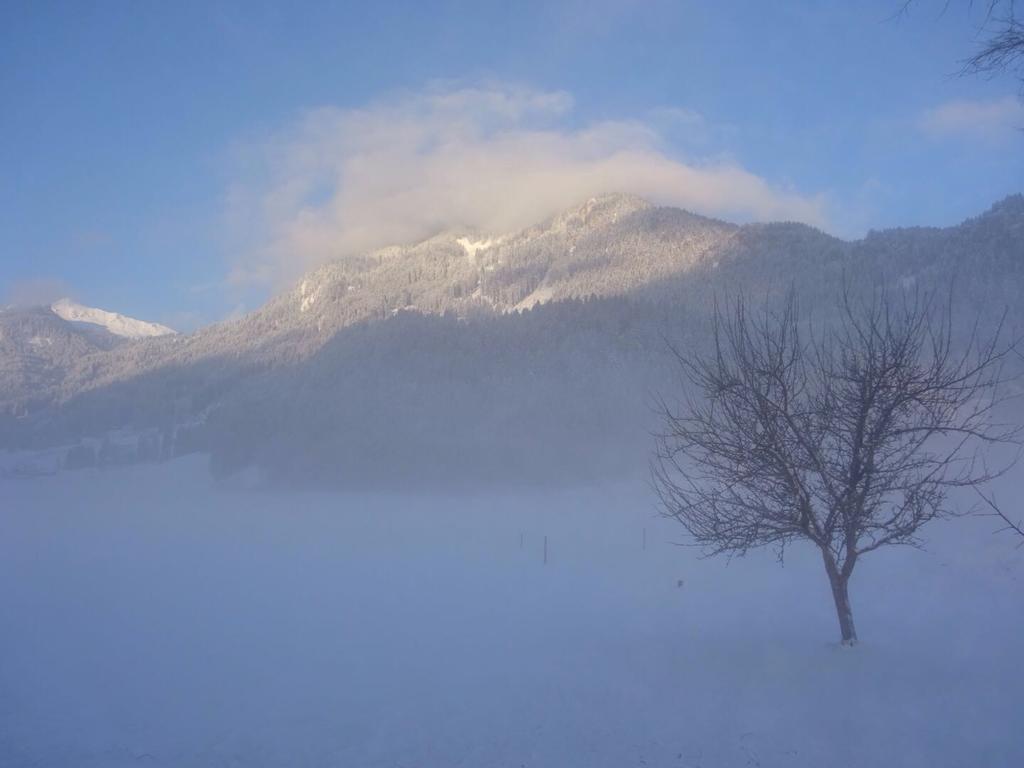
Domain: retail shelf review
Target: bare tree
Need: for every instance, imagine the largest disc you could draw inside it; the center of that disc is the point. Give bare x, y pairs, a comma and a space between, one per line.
1002, 38
849, 435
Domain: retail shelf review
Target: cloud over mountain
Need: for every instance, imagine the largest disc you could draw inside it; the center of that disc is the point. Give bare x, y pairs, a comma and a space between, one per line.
492, 158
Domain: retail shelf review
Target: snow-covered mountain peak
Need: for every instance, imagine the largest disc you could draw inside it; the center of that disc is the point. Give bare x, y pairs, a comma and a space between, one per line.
115, 323
600, 210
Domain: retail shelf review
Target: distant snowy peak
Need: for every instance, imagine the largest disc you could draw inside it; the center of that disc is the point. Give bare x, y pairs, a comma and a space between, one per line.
115, 323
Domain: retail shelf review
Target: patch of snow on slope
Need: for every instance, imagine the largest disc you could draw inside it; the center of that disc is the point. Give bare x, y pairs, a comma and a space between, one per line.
541, 295
117, 324
309, 294
472, 247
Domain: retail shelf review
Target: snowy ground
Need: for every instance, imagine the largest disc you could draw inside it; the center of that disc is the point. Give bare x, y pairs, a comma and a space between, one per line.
149, 619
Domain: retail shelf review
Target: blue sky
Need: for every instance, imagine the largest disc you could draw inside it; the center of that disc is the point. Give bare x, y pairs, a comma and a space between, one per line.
180, 161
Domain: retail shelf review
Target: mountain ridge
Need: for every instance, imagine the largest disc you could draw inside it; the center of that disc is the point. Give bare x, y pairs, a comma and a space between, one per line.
516, 304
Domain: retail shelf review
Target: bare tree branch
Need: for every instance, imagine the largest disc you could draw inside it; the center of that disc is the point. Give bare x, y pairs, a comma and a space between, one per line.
996, 511
1002, 38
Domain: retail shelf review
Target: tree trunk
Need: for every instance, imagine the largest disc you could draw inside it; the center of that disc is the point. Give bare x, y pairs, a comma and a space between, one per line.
841, 595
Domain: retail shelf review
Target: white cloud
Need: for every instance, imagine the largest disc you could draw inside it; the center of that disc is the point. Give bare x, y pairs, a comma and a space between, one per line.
993, 120
492, 158
41, 291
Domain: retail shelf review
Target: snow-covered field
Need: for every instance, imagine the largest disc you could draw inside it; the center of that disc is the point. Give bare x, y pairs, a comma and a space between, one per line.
148, 618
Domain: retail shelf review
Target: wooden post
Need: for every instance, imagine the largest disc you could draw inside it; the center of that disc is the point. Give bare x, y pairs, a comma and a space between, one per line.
545, 550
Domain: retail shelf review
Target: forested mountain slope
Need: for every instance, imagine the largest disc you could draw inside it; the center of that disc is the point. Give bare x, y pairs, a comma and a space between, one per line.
490, 354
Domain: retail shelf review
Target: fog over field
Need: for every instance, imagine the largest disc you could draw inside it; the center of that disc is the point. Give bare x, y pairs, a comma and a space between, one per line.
154, 619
